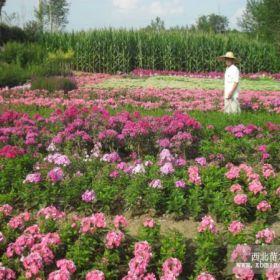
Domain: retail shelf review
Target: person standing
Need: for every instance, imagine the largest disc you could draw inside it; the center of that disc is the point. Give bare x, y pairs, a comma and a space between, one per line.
231, 83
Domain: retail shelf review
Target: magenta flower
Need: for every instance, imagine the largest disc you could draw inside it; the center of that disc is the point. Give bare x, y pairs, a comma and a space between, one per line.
56, 175
167, 168
88, 196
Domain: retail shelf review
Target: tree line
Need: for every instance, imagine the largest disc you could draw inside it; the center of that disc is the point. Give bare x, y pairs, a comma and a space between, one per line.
261, 18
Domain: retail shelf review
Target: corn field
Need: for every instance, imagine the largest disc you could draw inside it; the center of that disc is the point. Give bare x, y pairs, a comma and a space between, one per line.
110, 51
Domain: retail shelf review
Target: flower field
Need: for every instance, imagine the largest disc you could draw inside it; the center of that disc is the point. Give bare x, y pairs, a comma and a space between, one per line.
119, 179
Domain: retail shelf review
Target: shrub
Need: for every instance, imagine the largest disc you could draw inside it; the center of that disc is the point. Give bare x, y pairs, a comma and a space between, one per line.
53, 83
11, 33
12, 75
22, 54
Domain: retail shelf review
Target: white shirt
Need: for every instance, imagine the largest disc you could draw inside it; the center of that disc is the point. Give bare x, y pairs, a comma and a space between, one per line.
231, 77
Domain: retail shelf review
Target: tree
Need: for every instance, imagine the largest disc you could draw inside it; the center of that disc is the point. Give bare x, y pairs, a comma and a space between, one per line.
212, 23
52, 14
157, 24
2, 3
261, 17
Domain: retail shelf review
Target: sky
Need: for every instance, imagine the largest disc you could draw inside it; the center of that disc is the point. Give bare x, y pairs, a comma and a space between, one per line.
90, 14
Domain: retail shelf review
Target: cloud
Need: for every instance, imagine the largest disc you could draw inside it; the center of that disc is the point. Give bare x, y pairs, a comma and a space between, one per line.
166, 8
139, 8
126, 5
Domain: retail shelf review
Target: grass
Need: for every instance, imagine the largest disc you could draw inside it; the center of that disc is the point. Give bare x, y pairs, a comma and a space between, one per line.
186, 83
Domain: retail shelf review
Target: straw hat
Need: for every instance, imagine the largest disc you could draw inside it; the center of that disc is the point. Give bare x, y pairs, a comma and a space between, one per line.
228, 55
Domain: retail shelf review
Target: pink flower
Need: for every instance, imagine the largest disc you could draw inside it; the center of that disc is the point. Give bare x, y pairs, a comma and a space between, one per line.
240, 199
255, 187
114, 239
235, 188
95, 275
58, 159
56, 175
120, 221
88, 196
267, 235
233, 173
6, 209
6, 273
201, 161
51, 213
112, 157
268, 171
33, 263
99, 220
236, 227
165, 156
180, 184
273, 273
167, 168
114, 174
242, 252
194, 175
205, 276
172, 267
263, 206
150, 276
33, 178
59, 274
149, 223
277, 192
1, 237
156, 184
207, 223
65, 264
243, 273
18, 221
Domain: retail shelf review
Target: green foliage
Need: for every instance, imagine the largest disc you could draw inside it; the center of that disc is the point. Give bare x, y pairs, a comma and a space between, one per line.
212, 23
22, 54
173, 244
261, 17
11, 33
53, 83
12, 75
112, 50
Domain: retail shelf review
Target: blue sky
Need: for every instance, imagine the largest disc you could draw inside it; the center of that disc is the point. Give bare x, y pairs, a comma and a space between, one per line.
85, 14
